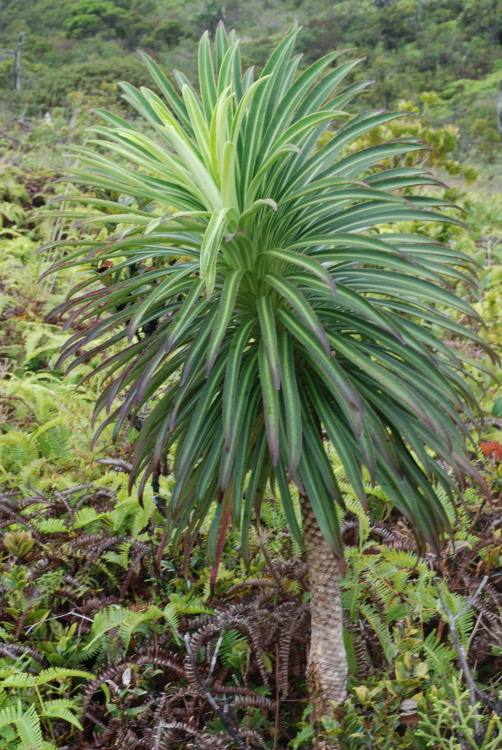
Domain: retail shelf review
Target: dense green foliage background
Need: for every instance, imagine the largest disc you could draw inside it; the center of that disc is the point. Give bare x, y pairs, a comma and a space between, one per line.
449, 47
96, 607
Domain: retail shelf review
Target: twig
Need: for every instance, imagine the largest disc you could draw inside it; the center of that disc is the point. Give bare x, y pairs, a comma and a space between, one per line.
469, 604
215, 655
57, 617
210, 699
270, 565
462, 656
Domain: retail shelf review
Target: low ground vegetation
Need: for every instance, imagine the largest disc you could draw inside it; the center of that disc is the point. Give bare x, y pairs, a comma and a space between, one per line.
109, 635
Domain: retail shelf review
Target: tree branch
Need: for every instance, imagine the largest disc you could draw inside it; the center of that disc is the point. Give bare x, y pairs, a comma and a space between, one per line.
462, 656
210, 698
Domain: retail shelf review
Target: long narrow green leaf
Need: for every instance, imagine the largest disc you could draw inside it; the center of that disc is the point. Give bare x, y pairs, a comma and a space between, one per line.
206, 76
256, 487
271, 410
247, 382
339, 436
266, 316
166, 289
328, 368
210, 246
225, 310
188, 448
230, 389
305, 262
244, 455
299, 305
291, 403
287, 504
168, 90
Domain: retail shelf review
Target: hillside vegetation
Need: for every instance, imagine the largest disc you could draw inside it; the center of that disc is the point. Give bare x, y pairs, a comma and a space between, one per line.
442, 55
110, 635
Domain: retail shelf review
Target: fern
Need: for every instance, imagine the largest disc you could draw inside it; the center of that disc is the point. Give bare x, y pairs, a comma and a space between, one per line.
62, 708
14, 213
50, 525
100, 565
24, 679
26, 722
273, 517
439, 657
124, 558
42, 338
128, 516
456, 602
348, 642
304, 737
121, 623
374, 619
16, 450
53, 438
354, 506
86, 516
31, 473
113, 557
233, 649
39, 398
4, 635
171, 615
192, 606
135, 621
108, 619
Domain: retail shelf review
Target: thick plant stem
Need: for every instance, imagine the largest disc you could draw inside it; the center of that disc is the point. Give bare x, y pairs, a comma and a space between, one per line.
327, 661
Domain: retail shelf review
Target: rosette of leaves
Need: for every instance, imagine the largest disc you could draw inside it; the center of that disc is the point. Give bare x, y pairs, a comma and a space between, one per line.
252, 302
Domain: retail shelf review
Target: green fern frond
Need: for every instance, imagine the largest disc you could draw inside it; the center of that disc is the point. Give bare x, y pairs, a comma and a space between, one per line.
375, 620
234, 646
16, 450
18, 680
402, 558
100, 565
24, 679
439, 656
62, 708
124, 550
348, 643
355, 507
86, 516
53, 438
50, 525
135, 622
113, 557
26, 722
124, 621
304, 737
104, 621
456, 603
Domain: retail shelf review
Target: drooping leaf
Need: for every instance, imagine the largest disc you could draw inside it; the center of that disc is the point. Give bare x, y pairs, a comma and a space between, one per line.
248, 306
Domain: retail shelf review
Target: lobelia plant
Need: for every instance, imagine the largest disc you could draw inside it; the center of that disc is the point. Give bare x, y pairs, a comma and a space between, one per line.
247, 297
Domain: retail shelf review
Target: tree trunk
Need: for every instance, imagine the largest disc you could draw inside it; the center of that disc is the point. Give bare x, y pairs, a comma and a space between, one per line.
499, 110
327, 662
17, 62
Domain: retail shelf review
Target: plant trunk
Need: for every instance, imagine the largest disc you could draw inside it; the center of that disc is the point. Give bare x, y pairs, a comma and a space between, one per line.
17, 62
327, 661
